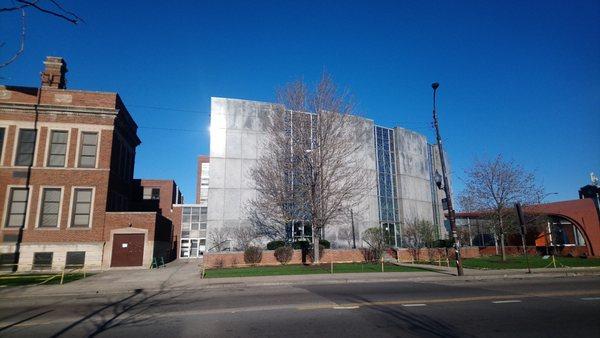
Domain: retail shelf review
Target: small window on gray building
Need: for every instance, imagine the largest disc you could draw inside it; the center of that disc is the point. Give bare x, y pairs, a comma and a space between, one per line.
82, 205
42, 261
25, 147
50, 207
17, 207
58, 148
87, 151
75, 259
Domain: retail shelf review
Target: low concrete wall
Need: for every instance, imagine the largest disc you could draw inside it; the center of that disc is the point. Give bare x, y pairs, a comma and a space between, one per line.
230, 259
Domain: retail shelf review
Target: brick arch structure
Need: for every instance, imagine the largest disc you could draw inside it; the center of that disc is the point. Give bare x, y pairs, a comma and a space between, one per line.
582, 213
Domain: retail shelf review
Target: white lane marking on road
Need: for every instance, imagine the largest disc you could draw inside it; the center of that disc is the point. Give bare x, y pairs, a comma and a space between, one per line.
506, 301
590, 298
414, 304
345, 307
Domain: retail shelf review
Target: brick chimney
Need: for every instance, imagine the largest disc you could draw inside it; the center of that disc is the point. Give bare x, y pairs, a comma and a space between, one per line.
54, 72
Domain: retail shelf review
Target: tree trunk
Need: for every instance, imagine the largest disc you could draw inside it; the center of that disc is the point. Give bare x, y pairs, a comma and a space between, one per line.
502, 247
502, 240
316, 245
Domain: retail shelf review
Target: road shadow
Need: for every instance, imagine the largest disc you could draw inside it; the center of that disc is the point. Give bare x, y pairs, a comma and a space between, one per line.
24, 320
128, 311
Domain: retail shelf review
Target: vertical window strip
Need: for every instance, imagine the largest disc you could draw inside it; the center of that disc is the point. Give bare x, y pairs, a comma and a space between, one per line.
82, 204
58, 148
87, 151
2, 133
25, 147
50, 208
17, 207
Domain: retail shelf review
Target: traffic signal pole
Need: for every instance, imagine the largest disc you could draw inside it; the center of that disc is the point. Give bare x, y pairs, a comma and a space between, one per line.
451, 213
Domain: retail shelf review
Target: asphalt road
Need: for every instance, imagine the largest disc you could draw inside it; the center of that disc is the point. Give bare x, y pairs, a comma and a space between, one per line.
550, 307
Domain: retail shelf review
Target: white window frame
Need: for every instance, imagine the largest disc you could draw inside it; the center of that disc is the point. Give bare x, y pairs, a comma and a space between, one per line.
72, 202
78, 150
27, 207
49, 142
39, 206
16, 146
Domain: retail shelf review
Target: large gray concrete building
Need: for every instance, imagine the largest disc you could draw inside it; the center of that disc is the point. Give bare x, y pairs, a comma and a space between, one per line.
401, 162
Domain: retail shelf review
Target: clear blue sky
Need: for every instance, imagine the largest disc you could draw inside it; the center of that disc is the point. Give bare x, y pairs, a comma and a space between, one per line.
521, 79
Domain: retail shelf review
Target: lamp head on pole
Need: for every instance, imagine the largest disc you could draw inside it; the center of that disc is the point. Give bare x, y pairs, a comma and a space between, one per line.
435, 85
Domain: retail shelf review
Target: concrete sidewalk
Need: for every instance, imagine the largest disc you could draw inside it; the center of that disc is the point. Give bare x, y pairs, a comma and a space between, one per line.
185, 275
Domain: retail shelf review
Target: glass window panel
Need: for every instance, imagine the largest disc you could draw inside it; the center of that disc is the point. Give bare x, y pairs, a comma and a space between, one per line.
90, 138
81, 220
84, 195
49, 220
16, 220
82, 208
88, 150
2, 131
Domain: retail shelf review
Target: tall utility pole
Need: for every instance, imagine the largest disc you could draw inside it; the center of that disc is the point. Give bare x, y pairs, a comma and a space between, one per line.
451, 214
353, 236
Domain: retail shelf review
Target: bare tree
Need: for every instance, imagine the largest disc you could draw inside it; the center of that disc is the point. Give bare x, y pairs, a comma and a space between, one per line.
418, 234
310, 169
49, 7
494, 186
345, 234
218, 239
376, 239
244, 236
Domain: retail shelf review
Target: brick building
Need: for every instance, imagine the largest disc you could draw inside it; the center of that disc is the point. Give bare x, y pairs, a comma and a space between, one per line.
66, 180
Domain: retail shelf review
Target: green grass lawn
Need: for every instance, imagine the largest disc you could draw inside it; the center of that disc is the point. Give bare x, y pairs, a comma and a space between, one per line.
305, 270
519, 262
18, 280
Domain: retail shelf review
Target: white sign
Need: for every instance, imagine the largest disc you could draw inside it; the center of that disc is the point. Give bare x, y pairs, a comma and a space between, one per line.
124, 245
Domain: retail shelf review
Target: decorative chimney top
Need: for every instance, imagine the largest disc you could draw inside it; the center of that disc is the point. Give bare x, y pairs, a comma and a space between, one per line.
54, 72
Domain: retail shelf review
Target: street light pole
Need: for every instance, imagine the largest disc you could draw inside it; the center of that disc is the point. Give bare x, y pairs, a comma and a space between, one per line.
451, 214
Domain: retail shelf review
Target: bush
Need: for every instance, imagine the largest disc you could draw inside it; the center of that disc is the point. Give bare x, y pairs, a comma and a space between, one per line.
370, 255
283, 254
325, 243
253, 255
300, 245
272, 245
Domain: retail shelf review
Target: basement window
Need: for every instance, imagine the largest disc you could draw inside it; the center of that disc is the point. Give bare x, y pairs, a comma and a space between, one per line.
42, 261
75, 259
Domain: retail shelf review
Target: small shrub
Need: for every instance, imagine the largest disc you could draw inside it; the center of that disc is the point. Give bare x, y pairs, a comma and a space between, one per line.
325, 243
300, 245
253, 255
272, 245
284, 254
370, 255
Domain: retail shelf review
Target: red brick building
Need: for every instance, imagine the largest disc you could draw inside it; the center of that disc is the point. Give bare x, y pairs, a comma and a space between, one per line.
67, 194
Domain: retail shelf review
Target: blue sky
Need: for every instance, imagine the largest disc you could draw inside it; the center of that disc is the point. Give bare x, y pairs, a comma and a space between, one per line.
517, 78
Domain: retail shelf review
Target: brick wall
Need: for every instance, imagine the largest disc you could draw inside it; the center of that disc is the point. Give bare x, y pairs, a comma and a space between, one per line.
229, 259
